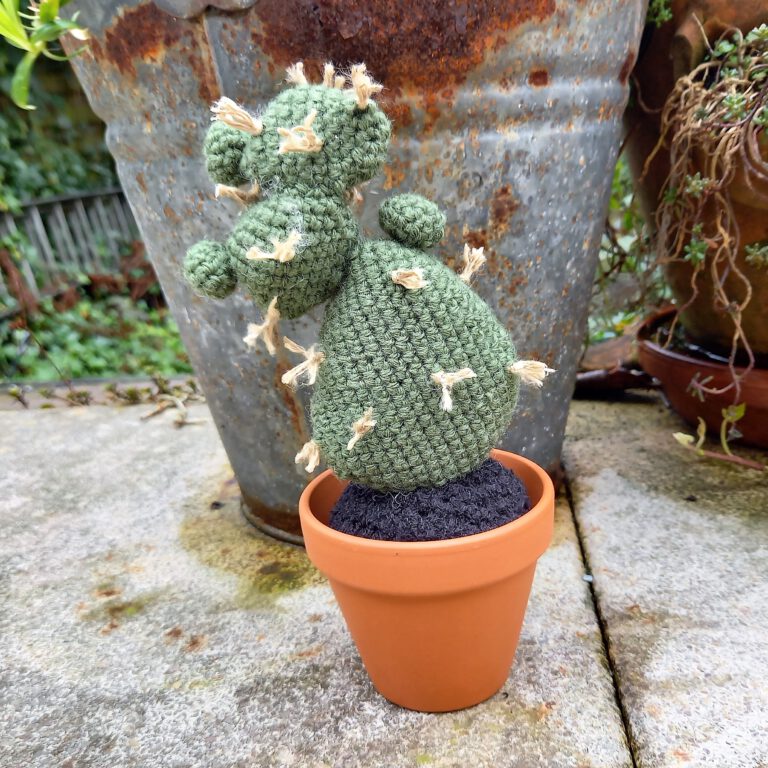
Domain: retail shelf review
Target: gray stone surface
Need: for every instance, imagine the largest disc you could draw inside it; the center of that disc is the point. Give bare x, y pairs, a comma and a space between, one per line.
679, 552
143, 623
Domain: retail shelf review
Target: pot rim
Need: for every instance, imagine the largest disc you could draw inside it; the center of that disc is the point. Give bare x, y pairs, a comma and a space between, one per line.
538, 509
651, 347
420, 568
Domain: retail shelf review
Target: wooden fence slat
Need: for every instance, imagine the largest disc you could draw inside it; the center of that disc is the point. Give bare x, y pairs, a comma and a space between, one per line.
86, 230
129, 231
83, 232
114, 246
53, 229
25, 266
80, 236
57, 212
114, 224
35, 228
36, 232
98, 236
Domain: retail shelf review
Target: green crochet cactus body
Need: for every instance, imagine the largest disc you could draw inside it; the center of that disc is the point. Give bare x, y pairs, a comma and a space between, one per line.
415, 379
382, 342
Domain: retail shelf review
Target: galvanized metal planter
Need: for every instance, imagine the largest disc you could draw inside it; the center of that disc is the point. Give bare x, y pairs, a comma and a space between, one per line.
507, 114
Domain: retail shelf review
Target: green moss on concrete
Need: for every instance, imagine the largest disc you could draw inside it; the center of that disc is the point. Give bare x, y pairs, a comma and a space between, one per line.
115, 609
265, 568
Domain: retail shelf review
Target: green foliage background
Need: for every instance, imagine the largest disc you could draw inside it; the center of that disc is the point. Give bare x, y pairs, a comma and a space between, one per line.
55, 149
105, 337
58, 149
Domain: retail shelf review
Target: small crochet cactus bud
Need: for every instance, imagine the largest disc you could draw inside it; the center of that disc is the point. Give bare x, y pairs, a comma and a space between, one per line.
223, 150
412, 220
208, 269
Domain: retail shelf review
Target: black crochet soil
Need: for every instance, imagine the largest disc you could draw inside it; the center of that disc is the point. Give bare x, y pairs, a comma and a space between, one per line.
485, 498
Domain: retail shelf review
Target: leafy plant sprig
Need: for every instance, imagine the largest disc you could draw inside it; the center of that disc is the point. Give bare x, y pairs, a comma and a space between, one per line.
757, 255
33, 31
659, 11
627, 279
728, 431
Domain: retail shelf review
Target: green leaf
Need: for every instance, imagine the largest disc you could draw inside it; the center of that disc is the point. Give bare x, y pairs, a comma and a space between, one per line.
758, 34
734, 413
683, 439
49, 10
20, 80
11, 27
46, 33
11, 7
52, 30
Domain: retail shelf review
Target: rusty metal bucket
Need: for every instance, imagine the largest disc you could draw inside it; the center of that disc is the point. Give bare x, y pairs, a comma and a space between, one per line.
507, 114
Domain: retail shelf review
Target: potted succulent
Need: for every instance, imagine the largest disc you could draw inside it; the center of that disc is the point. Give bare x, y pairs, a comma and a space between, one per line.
429, 544
705, 189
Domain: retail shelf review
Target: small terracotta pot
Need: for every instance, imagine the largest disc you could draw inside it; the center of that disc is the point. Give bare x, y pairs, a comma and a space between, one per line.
436, 622
675, 371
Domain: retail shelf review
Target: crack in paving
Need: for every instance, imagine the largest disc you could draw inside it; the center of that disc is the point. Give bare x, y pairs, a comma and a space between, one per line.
603, 626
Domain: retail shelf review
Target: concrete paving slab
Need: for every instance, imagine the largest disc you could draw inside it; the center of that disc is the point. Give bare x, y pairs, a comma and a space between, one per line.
678, 548
143, 623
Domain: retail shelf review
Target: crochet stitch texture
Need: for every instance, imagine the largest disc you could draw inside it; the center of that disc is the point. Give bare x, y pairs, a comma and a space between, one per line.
415, 379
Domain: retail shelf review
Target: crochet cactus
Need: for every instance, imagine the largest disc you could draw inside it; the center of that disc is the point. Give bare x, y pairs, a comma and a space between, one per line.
415, 379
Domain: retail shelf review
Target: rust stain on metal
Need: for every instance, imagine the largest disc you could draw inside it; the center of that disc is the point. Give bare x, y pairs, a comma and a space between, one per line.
394, 174
435, 46
432, 104
141, 181
143, 32
476, 238
607, 110
494, 265
400, 114
202, 65
285, 520
626, 67
538, 77
502, 207
291, 400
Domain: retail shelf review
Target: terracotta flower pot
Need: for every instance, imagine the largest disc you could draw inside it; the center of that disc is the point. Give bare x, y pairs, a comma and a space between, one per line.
676, 370
436, 622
